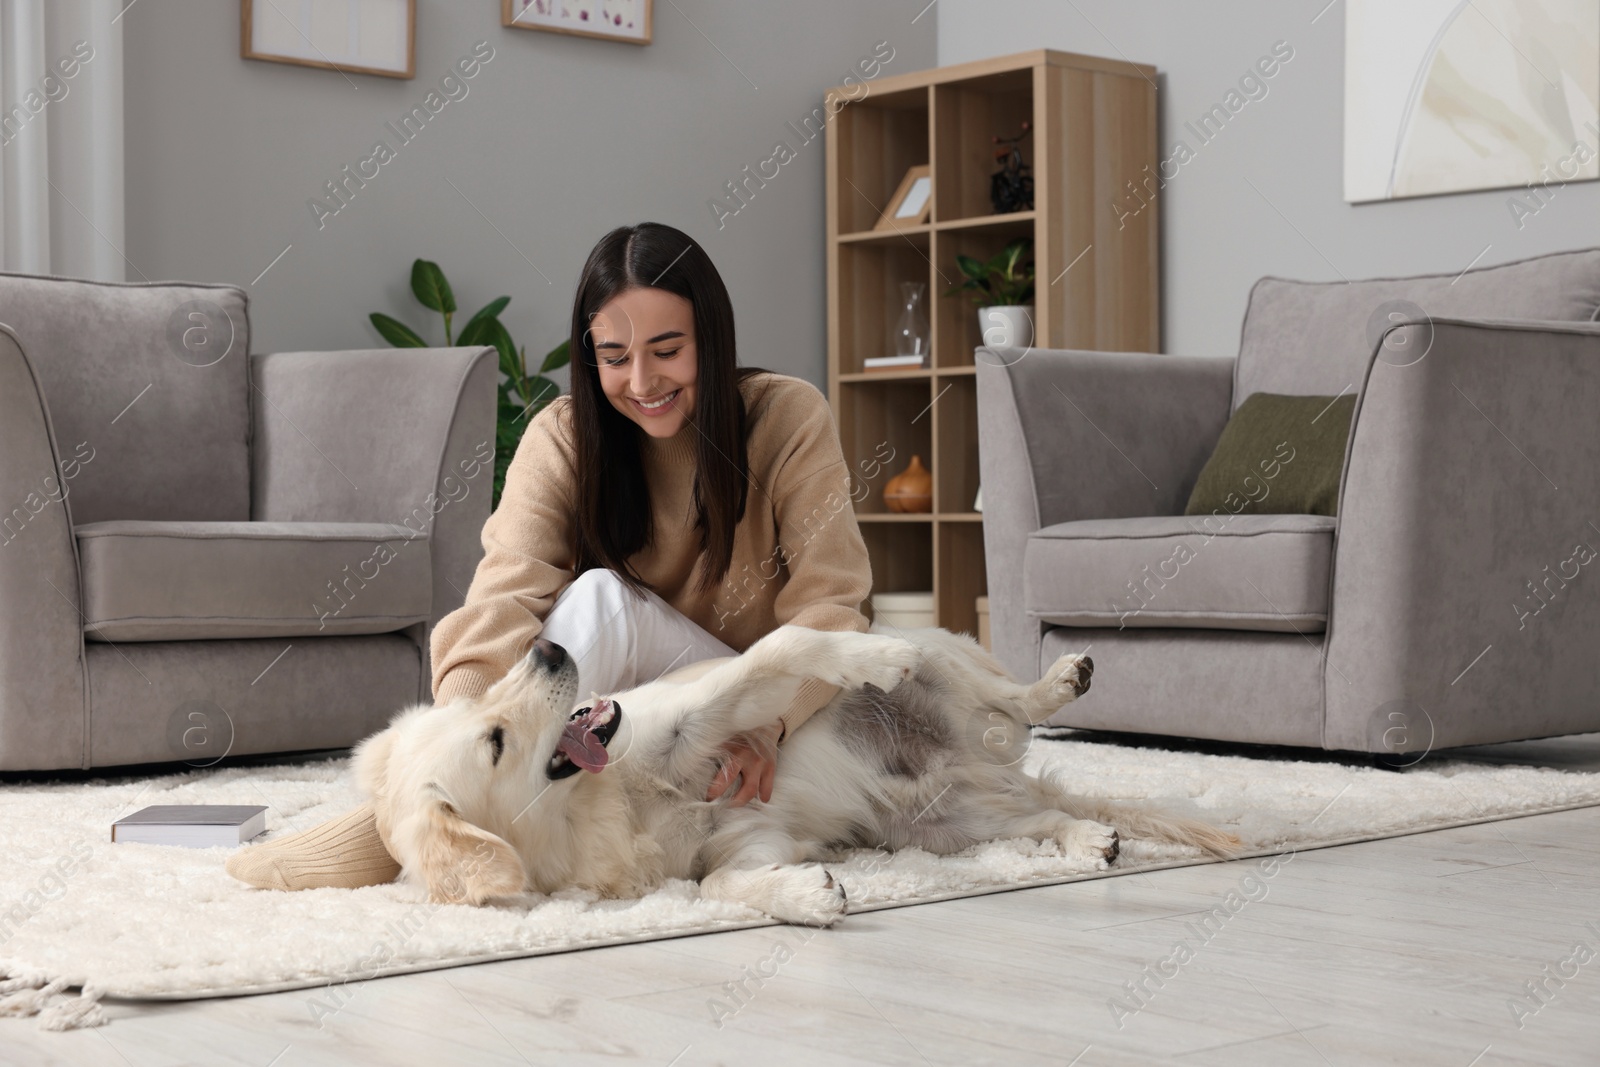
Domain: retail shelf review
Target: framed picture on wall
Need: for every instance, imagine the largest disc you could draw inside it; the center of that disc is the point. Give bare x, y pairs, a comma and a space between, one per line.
613, 20
349, 36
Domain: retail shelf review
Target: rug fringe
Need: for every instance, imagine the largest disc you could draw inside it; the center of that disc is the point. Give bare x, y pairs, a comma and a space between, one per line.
75, 1013
39, 995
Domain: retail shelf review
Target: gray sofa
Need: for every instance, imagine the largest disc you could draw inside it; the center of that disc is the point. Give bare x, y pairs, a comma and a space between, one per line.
1451, 602
206, 551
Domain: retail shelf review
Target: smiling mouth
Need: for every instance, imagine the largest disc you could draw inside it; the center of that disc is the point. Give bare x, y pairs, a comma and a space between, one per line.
584, 739
658, 406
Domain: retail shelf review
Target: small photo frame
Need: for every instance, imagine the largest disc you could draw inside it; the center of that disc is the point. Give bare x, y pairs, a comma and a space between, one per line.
349, 36
911, 202
611, 20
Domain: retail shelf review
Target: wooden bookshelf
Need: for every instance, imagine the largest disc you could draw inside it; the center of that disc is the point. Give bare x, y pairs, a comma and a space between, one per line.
1096, 262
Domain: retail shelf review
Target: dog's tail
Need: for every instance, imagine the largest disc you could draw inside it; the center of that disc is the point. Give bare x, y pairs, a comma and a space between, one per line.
1135, 820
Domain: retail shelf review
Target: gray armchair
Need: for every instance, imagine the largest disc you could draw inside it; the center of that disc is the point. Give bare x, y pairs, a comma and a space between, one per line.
1453, 601
206, 551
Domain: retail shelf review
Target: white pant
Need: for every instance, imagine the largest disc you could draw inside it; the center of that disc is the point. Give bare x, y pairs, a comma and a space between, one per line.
620, 640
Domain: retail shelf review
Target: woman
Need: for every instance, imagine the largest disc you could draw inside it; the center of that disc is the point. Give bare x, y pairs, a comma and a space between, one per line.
674, 508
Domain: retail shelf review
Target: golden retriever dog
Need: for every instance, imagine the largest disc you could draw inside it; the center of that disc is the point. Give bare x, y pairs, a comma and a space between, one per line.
527, 788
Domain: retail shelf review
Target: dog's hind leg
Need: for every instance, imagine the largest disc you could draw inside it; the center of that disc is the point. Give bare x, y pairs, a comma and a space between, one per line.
976, 680
1065, 681
1080, 839
1137, 821
765, 873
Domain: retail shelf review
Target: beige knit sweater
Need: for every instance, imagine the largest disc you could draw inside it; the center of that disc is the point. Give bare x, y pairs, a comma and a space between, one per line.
798, 555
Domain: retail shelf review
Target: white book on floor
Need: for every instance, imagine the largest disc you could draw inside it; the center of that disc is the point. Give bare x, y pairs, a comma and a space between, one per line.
191, 825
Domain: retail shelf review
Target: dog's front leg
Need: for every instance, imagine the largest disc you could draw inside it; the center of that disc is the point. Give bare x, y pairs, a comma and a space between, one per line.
805, 894
846, 658
763, 870
688, 721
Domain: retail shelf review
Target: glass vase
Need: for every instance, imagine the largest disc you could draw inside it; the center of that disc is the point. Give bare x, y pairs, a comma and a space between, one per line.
911, 332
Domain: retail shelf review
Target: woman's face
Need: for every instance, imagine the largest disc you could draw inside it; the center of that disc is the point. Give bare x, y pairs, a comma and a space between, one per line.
644, 344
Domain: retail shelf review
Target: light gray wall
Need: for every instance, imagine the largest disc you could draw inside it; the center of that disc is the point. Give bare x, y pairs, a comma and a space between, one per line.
558, 139
1219, 234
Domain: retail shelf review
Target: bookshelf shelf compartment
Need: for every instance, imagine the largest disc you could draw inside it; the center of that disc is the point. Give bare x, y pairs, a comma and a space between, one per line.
870, 294
873, 142
955, 333
955, 459
902, 557
967, 116
961, 576
881, 426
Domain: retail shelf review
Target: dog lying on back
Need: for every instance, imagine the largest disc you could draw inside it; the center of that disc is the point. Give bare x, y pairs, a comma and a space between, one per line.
514, 790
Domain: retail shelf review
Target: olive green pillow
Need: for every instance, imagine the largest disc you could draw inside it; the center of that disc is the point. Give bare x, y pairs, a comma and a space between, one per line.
1278, 455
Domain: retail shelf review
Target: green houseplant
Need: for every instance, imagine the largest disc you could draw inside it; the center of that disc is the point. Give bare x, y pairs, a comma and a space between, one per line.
522, 394
1002, 287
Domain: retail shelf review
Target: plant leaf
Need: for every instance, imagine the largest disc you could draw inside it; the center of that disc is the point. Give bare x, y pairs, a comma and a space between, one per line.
493, 332
542, 390
396, 332
973, 269
559, 356
428, 282
491, 310
501, 339
476, 332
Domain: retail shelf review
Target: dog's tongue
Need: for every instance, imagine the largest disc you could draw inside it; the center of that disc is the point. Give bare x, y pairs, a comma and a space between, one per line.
581, 746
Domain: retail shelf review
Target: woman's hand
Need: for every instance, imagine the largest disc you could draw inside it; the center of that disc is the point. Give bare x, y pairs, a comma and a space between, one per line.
752, 755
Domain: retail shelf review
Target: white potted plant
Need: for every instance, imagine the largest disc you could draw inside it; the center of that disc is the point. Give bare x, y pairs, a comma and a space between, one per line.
1003, 290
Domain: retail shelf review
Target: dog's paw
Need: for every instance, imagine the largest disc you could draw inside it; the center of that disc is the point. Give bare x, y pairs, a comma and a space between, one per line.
872, 659
1069, 677
1090, 841
807, 895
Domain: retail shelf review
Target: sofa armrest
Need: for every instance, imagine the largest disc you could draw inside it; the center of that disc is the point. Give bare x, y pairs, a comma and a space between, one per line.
403, 436
1464, 607
43, 700
1067, 435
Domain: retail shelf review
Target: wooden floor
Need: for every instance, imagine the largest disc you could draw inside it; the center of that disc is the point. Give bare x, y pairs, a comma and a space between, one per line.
1413, 950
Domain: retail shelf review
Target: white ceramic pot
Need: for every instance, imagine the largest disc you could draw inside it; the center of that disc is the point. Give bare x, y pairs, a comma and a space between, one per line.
1006, 325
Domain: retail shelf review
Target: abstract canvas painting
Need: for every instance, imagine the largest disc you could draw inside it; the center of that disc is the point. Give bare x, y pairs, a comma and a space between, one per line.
617, 20
1442, 96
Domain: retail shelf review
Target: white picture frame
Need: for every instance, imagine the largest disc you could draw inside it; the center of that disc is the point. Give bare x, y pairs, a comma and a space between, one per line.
349, 36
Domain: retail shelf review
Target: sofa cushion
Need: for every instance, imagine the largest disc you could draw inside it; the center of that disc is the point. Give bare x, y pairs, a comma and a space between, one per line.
178, 581
149, 390
1278, 455
1318, 337
1231, 572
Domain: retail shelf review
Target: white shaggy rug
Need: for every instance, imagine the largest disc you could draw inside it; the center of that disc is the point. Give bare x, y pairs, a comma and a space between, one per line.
149, 921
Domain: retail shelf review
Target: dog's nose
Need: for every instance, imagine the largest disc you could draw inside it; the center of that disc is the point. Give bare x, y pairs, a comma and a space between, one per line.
549, 653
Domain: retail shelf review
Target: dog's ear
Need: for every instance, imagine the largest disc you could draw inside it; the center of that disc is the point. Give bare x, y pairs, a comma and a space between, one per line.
459, 863
370, 762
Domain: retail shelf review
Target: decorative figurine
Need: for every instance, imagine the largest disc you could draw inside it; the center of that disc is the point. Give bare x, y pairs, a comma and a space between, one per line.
1011, 187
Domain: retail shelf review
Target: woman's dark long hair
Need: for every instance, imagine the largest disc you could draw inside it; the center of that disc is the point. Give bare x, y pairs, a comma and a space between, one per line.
614, 517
